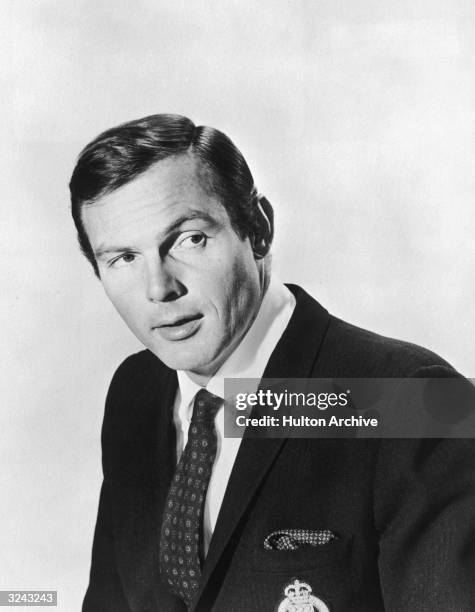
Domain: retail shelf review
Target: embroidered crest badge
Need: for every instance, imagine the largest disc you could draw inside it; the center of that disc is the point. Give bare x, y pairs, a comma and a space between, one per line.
299, 598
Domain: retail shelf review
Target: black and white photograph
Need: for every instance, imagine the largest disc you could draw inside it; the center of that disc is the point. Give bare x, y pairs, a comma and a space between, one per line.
238, 301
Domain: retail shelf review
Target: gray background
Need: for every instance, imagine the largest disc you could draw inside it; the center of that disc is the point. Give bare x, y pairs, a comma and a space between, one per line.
357, 119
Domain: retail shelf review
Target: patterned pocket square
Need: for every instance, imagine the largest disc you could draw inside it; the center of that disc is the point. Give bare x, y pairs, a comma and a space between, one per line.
292, 539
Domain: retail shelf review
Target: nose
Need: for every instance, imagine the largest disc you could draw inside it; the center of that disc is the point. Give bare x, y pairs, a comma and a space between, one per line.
161, 283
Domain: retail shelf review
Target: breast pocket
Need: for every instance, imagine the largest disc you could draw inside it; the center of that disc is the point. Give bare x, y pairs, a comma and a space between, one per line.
306, 557
323, 572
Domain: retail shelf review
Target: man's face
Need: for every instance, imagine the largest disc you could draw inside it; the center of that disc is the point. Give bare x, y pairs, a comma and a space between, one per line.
171, 263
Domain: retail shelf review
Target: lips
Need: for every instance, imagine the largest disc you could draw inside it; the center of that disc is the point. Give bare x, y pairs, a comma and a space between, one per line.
178, 321
180, 328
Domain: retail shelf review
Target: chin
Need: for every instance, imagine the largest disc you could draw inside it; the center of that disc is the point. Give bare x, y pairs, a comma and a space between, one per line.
196, 363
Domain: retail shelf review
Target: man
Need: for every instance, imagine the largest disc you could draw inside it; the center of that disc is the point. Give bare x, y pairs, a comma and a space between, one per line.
169, 216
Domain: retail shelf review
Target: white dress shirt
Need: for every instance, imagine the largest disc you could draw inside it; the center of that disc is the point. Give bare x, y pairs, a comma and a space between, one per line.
248, 360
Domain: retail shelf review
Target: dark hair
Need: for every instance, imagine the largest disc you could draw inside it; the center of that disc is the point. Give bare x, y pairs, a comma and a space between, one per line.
120, 154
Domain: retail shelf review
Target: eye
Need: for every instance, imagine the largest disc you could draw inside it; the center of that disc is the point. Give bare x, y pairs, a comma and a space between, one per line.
190, 240
123, 260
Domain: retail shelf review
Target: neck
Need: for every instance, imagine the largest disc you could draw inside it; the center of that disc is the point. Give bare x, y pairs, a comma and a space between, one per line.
203, 378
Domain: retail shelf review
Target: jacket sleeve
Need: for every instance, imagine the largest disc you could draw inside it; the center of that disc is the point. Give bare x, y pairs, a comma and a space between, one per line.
104, 593
425, 514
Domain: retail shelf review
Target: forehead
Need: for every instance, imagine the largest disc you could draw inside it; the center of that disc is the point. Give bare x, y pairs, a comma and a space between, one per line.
164, 192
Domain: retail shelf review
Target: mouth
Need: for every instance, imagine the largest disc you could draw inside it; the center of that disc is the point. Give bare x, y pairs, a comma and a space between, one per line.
179, 329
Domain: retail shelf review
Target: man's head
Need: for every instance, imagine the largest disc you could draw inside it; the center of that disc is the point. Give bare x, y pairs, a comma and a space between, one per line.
169, 217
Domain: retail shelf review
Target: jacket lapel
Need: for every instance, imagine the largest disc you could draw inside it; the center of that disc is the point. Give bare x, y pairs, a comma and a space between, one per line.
163, 390
293, 357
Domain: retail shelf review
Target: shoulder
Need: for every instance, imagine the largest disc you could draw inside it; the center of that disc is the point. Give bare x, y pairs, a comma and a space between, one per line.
345, 350
134, 369
361, 352
138, 375
140, 388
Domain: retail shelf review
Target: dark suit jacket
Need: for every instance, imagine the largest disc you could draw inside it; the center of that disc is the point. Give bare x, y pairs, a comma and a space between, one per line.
404, 509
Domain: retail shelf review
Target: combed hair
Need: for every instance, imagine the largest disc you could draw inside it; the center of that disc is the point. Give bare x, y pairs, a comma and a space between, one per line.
119, 155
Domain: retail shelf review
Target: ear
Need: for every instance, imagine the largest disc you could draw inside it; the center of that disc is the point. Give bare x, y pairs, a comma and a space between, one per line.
263, 227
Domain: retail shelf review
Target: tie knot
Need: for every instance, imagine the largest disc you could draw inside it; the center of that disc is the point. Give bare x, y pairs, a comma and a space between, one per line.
205, 407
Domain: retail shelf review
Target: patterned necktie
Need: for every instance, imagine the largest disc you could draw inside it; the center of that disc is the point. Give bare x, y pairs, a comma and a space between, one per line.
182, 526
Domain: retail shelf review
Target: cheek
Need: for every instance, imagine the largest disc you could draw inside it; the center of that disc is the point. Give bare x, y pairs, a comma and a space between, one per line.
123, 301
241, 291
115, 296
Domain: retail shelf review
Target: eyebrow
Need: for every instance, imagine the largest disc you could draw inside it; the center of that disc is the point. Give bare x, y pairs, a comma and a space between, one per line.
173, 226
189, 216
